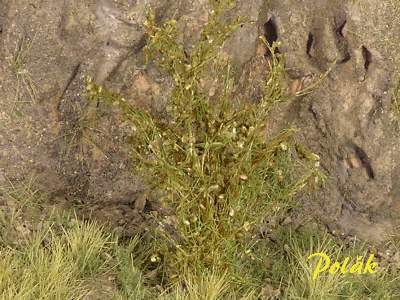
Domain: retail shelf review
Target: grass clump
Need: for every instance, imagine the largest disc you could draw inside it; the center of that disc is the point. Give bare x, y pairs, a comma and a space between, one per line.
46, 252
25, 84
80, 261
53, 266
292, 270
209, 286
131, 281
210, 163
396, 101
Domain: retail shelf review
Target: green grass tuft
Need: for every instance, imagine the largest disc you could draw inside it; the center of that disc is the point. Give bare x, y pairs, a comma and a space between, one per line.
50, 266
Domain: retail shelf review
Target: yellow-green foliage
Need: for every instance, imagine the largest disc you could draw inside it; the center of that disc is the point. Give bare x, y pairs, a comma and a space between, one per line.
210, 164
292, 270
396, 101
25, 84
53, 266
208, 286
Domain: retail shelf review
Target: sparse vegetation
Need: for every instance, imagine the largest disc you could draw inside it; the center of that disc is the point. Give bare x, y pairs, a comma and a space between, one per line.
25, 84
396, 101
51, 266
293, 270
210, 164
69, 262
219, 182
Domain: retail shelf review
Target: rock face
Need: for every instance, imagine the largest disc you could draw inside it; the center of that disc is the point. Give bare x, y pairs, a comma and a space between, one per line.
76, 151
348, 118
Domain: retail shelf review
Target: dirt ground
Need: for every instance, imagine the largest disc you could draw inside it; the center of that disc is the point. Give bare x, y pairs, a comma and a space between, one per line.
76, 150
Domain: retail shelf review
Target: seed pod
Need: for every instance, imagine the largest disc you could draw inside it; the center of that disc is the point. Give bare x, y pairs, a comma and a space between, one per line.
243, 177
